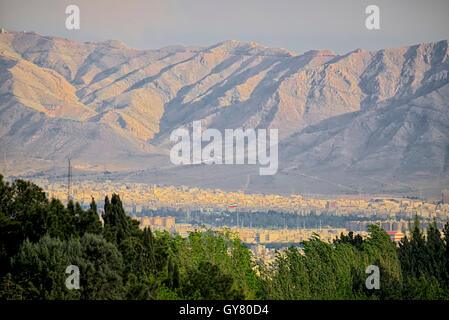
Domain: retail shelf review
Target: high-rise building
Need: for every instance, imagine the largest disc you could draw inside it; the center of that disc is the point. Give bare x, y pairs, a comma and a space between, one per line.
445, 196
169, 222
396, 236
386, 225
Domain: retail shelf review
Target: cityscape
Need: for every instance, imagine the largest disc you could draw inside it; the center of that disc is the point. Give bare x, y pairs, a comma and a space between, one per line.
392, 214
137, 197
224, 156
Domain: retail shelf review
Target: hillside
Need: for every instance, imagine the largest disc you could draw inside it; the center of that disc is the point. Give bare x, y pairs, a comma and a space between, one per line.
376, 121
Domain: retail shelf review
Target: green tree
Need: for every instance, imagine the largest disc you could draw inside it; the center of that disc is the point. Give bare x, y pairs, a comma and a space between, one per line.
228, 253
118, 226
211, 282
9, 290
436, 253
355, 241
89, 221
424, 263
287, 278
381, 251
39, 268
61, 222
102, 270
446, 255
23, 209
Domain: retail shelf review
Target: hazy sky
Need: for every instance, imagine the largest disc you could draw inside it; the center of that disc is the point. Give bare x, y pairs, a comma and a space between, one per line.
297, 25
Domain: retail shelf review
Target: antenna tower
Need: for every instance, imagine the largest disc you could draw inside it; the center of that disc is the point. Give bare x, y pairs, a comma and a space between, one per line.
69, 182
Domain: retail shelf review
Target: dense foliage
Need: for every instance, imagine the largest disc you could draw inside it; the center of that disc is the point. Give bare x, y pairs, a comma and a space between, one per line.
40, 238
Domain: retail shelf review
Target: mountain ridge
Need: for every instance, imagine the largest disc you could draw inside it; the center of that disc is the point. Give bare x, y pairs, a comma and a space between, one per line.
385, 110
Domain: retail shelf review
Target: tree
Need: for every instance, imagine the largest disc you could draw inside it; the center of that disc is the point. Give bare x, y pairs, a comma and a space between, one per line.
287, 278
89, 221
413, 252
446, 254
9, 290
228, 253
436, 253
60, 223
210, 282
381, 251
118, 226
23, 208
350, 239
424, 263
102, 271
39, 268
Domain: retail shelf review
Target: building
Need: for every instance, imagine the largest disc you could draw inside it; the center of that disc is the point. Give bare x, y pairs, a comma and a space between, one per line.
169, 222
331, 205
158, 222
396, 236
386, 225
445, 196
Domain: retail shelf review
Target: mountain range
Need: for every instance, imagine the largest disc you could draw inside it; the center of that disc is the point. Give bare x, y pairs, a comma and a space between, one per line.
364, 121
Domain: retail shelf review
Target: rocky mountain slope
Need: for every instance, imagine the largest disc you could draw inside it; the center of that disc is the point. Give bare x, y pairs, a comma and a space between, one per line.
376, 120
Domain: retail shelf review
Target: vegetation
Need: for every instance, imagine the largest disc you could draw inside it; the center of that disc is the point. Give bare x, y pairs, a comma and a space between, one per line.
40, 238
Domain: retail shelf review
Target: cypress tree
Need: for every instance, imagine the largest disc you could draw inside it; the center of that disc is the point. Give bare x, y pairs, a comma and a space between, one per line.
89, 221
418, 250
115, 219
148, 244
435, 252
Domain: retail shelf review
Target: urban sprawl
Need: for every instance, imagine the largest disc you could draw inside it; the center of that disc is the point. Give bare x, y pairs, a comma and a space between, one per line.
393, 214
